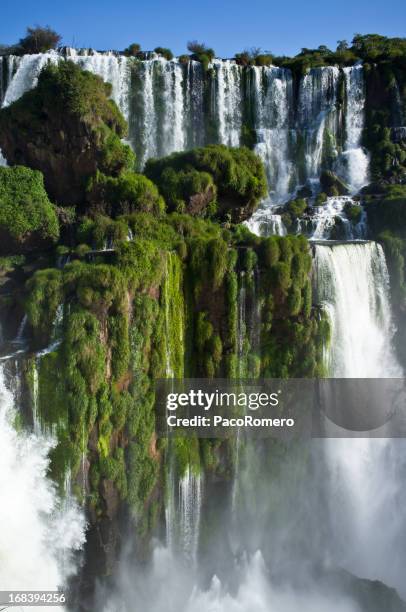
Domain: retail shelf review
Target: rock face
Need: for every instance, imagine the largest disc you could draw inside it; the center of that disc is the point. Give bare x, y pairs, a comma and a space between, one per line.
68, 129
331, 185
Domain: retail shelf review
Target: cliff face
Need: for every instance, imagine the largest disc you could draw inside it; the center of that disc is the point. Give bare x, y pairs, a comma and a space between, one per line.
157, 308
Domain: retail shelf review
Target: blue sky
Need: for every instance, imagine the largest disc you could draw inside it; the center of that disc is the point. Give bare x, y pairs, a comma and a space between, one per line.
281, 26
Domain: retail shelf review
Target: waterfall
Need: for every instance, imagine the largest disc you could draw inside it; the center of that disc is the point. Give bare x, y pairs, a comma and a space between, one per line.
365, 490
190, 500
164, 103
317, 116
273, 104
241, 325
228, 101
39, 532
353, 163
331, 213
183, 491
353, 279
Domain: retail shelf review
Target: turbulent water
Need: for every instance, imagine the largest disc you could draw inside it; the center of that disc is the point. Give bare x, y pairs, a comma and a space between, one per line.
39, 532
353, 282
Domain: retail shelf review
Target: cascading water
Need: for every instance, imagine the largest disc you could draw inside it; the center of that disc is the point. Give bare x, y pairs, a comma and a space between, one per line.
330, 217
353, 279
365, 495
228, 101
164, 104
354, 161
39, 532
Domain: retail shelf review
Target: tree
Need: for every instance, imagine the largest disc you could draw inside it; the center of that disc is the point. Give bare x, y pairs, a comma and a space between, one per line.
132, 50
342, 45
200, 49
39, 40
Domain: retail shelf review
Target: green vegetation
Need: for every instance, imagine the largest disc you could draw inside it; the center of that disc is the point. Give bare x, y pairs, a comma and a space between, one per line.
254, 57
201, 53
166, 53
293, 211
371, 48
353, 212
213, 180
127, 193
80, 136
133, 50
332, 185
28, 219
38, 39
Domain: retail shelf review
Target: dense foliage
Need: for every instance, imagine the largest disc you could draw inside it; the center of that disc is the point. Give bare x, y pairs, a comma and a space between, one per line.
28, 220
211, 180
68, 128
127, 193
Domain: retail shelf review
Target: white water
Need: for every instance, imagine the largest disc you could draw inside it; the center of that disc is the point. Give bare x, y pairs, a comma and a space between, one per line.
366, 493
190, 500
353, 279
264, 222
325, 217
354, 162
38, 532
228, 101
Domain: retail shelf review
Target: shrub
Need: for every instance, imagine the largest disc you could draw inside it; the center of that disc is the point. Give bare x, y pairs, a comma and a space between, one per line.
27, 218
353, 212
201, 53
132, 50
235, 175
166, 53
127, 193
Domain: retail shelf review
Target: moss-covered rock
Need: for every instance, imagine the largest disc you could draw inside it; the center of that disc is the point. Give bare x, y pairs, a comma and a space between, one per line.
127, 193
68, 128
332, 185
28, 220
211, 181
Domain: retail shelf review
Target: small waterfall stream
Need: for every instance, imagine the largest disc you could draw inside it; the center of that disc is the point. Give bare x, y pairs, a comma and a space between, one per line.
184, 491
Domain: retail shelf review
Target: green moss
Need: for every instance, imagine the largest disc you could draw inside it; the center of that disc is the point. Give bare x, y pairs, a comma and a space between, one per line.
27, 217
235, 177
45, 294
124, 194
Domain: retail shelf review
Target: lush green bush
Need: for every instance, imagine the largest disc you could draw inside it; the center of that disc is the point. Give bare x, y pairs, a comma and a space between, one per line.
127, 193
353, 212
201, 53
132, 50
166, 53
27, 218
389, 211
254, 57
235, 177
